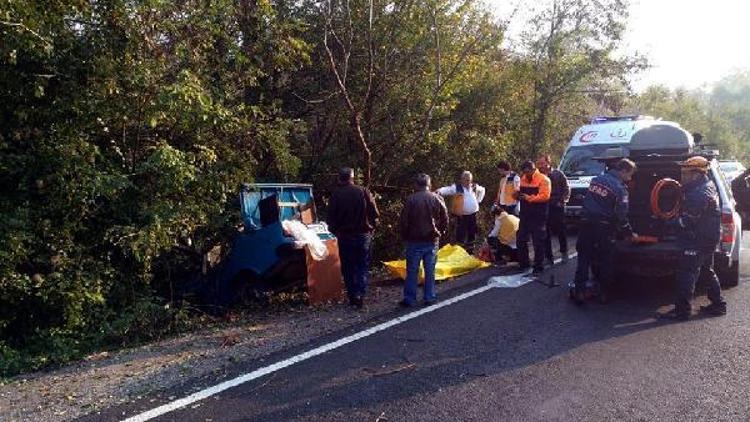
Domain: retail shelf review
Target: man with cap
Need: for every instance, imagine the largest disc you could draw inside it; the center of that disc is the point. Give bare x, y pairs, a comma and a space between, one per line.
699, 232
534, 196
605, 213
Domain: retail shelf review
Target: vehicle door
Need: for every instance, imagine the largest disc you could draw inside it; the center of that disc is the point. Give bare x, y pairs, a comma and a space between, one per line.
741, 193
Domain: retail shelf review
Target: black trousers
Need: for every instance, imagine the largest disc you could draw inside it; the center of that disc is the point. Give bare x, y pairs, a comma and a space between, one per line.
354, 252
500, 250
510, 209
466, 231
536, 229
556, 226
695, 265
596, 252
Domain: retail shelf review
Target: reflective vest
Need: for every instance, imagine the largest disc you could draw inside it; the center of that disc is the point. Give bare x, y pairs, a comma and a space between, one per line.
507, 190
538, 189
457, 204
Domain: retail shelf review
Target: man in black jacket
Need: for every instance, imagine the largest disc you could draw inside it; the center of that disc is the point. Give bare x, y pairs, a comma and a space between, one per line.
741, 193
559, 196
352, 217
423, 220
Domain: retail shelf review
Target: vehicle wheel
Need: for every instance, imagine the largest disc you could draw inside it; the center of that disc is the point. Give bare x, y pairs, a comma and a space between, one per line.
729, 276
247, 289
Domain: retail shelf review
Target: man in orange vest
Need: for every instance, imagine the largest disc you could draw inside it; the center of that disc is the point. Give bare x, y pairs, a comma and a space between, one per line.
534, 196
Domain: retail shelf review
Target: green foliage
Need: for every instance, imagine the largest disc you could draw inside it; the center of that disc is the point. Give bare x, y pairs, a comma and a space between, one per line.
719, 113
127, 126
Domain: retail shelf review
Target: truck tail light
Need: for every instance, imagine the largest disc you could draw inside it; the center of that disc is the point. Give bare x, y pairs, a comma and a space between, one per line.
727, 230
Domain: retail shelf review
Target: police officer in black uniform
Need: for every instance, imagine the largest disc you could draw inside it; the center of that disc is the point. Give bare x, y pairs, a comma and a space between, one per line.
605, 214
699, 232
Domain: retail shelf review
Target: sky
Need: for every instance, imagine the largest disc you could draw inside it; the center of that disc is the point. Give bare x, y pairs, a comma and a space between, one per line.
689, 43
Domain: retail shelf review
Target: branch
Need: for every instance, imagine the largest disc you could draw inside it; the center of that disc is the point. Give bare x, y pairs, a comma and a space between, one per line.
27, 29
371, 56
448, 78
437, 47
335, 70
306, 101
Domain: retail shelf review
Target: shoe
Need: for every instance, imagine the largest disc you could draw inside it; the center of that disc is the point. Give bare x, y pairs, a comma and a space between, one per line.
359, 303
674, 315
604, 297
405, 304
430, 302
579, 298
523, 267
714, 309
565, 258
537, 271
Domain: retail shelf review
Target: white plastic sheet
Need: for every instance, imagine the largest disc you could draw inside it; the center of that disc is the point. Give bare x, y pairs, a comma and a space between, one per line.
510, 281
307, 237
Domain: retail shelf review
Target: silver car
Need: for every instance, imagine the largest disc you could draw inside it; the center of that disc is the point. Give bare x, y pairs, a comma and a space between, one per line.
731, 169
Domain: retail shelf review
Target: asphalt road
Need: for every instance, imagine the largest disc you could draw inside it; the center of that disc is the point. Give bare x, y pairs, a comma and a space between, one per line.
523, 354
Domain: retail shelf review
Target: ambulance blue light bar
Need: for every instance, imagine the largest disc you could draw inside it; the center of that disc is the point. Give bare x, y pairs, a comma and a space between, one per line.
606, 119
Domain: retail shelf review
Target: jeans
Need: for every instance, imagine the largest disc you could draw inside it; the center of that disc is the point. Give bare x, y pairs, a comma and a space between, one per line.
556, 226
692, 266
415, 254
354, 252
466, 231
537, 230
596, 251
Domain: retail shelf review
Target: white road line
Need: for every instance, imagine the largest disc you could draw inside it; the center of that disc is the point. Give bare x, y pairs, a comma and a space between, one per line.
261, 372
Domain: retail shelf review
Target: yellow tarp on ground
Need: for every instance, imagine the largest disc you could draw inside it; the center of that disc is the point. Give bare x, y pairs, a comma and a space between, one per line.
452, 261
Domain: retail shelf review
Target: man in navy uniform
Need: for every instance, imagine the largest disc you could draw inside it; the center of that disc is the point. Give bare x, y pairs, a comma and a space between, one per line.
699, 232
605, 214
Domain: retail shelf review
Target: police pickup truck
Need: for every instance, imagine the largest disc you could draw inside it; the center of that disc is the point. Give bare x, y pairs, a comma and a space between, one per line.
657, 147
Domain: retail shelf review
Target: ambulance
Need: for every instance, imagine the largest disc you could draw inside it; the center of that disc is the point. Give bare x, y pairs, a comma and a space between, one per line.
594, 140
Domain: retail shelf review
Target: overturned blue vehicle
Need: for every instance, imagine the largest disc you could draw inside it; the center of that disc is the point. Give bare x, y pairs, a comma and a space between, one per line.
265, 259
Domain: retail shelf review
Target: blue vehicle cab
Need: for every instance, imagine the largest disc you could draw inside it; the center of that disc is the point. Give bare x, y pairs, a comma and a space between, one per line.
262, 258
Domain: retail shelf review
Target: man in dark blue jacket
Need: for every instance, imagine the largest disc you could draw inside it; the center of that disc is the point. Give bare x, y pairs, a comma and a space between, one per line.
699, 233
605, 213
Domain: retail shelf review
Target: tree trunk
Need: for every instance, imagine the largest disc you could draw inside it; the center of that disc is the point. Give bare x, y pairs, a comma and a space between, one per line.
538, 132
356, 123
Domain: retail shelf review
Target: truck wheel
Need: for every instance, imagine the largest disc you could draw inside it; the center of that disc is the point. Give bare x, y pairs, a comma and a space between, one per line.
729, 276
247, 289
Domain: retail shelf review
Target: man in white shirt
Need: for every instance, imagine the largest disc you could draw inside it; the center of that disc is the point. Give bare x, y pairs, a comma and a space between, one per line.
467, 197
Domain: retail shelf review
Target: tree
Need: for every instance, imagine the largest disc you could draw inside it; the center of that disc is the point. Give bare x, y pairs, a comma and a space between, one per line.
572, 46
127, 127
